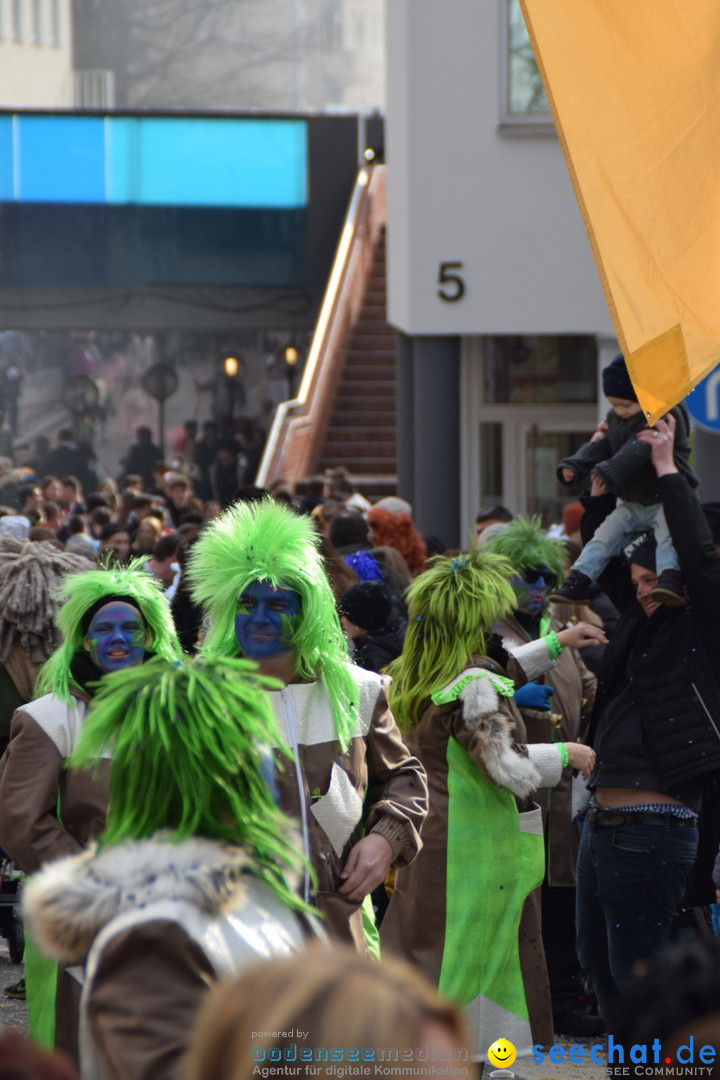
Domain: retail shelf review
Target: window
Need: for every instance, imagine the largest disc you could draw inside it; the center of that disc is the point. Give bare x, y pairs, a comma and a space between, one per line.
55, 22
542, 369
524, 98
17, 13
37, 35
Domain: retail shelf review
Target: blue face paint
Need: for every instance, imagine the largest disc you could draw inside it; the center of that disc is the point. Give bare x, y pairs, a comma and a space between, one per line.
529, 598
116, 637
261, 622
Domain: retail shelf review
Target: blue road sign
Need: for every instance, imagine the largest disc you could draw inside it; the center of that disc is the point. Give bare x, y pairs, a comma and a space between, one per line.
704, 402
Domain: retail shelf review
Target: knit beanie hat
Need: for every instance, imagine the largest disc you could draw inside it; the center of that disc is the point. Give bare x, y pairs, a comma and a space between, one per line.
368, 605
642, 551
616, 381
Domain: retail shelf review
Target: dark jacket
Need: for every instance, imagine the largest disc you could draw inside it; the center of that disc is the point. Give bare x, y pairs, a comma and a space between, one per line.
624, 464
375, 651
666, 662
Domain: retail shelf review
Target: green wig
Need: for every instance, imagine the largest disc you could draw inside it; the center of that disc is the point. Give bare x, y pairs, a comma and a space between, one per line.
79, 593
452, 607
191, 750
264, 541
526, 545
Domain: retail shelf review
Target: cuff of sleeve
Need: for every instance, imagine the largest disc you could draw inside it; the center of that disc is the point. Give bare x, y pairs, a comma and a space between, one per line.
533, 657
395, 832
554, 647
546, 759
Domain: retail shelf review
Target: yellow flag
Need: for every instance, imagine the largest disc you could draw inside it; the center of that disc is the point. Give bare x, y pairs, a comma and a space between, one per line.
635, 90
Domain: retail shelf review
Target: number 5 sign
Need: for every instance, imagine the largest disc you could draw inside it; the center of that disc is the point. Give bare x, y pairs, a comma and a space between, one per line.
451, 282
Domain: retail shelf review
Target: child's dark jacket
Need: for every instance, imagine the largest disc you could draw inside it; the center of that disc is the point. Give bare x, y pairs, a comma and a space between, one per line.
623, 462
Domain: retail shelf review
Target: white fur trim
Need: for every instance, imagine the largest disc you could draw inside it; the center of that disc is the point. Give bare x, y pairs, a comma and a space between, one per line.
69, 901
505, 766
479, 699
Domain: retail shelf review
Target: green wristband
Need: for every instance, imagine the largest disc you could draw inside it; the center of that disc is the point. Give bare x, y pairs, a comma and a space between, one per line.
564, 756
554, 647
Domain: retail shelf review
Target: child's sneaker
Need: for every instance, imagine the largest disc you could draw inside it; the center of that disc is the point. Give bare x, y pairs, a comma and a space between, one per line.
669, 589
574, 590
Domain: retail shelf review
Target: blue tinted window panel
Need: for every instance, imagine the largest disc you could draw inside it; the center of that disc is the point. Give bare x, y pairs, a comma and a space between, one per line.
214, 162
7, 187
141, 246
60, 159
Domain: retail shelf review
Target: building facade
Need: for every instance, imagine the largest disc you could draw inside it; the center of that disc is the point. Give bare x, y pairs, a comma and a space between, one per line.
284, 55
492, 286
36, 55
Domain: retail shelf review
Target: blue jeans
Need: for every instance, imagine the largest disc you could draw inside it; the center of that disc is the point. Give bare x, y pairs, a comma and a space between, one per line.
630, 880
627, 520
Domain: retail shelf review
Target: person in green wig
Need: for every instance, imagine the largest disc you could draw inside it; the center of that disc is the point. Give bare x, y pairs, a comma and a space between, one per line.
358, 794
193, 876
555, 708
109, 620
456, 912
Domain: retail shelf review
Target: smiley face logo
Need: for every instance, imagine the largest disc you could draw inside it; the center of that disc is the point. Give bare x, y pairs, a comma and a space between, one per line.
502, 1053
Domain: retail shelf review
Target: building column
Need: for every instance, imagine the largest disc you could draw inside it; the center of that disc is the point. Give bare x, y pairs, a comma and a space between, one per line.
405, 425
436, 436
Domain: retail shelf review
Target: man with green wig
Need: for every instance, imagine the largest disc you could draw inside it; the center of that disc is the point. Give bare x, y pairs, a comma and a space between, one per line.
193, 876
109, 620
555, 708
358, 794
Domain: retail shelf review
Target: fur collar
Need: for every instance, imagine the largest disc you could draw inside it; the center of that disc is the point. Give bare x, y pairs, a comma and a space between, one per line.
68, 902
483, 715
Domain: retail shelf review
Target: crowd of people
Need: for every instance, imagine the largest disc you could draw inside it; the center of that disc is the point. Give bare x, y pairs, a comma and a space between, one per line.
378, 793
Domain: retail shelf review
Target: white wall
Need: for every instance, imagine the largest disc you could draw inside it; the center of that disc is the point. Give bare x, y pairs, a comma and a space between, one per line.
460, 190
36, 72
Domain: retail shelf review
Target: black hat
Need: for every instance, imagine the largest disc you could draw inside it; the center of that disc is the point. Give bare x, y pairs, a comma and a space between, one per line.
368, 605
642, 551
616, 381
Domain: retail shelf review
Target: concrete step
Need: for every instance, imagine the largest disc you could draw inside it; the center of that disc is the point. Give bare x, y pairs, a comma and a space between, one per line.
361, 417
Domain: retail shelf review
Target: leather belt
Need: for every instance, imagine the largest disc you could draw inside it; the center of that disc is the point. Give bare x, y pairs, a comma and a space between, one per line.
599, 818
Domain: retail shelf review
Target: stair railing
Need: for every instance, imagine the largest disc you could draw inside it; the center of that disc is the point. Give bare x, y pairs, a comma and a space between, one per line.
299, 425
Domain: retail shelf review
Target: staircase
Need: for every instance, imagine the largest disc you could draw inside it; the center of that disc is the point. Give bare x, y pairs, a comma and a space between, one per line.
361, 429
344, 413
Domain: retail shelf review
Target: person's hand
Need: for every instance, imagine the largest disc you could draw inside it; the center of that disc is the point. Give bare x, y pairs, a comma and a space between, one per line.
366, 867
597, 486
581, 634
568, 475
661, 440
600, 431
581, 757
533, 696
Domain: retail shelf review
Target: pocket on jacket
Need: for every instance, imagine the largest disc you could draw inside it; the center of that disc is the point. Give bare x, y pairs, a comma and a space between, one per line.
339, 810
530, 821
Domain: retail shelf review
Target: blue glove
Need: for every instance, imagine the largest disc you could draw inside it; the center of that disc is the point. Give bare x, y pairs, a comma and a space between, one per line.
533, 696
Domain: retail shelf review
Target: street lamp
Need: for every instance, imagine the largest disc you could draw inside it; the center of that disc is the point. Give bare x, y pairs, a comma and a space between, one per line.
292, 357
230, 365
